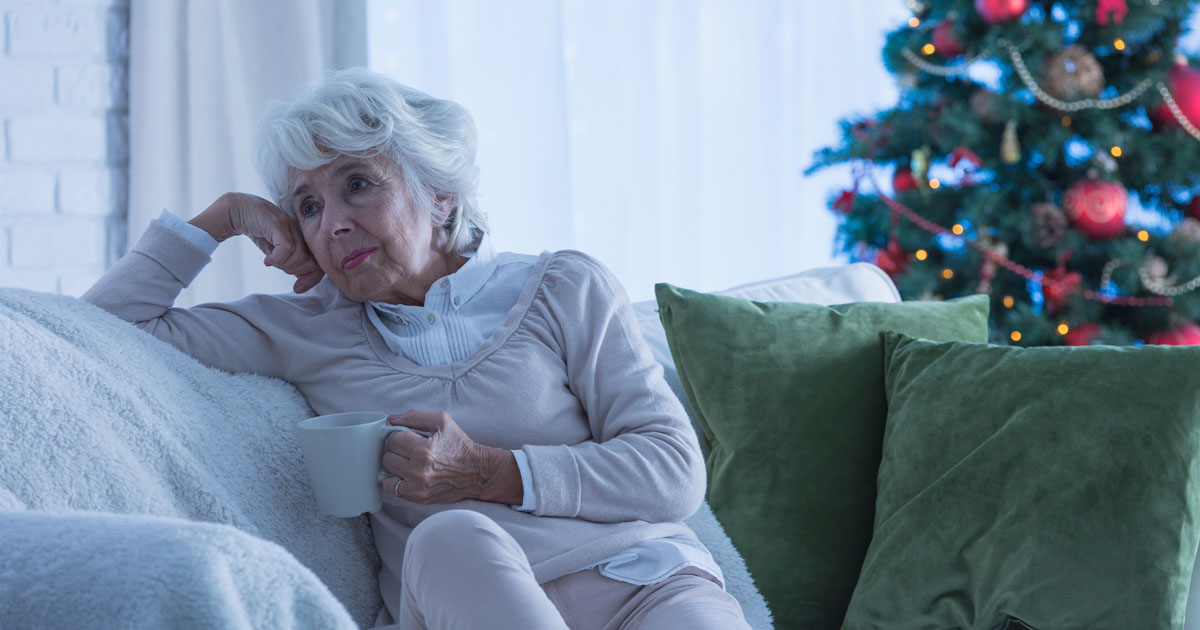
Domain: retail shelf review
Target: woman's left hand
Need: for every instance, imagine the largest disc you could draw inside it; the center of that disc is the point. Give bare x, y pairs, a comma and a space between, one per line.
446, 466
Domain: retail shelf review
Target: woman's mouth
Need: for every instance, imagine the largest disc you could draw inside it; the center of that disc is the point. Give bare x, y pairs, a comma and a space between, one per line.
357, 257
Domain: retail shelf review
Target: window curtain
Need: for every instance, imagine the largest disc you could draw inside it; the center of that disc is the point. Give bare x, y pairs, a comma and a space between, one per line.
668, 138
201, 72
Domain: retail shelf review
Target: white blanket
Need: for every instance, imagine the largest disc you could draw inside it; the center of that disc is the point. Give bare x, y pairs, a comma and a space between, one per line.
95, 570
98, 417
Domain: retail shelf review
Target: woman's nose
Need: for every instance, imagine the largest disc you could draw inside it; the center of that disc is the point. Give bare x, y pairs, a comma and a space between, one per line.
336, 219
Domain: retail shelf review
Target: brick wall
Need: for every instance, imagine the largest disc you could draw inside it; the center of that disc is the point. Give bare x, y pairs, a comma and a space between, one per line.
63, 141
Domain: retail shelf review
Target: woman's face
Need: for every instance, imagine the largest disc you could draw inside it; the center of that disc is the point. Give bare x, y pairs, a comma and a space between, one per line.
363, 232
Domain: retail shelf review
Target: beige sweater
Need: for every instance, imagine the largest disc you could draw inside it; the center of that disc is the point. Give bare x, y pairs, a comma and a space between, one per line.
566, 378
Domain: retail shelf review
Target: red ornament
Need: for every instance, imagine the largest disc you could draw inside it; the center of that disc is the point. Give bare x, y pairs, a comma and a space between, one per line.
1193, 209
997, 11
903, 180
1114, 9
892, 260
961, 153
1058, 285
1184, 83
1096, 208
1186, 334
946, 41
845, 201
1082, 335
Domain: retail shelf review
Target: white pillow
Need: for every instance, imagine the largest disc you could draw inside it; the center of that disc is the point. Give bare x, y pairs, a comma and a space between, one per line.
856, 282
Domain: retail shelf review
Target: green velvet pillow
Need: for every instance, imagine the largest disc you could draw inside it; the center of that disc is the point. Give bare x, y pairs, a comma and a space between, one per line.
790, 398
1054, 486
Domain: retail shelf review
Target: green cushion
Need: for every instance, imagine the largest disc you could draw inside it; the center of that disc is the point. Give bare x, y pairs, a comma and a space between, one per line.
790, 399
1056, 486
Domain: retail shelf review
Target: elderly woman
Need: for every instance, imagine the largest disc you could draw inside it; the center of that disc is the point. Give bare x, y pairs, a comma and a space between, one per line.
550, 489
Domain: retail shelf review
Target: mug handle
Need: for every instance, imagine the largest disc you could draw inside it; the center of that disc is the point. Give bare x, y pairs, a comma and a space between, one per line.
392, 428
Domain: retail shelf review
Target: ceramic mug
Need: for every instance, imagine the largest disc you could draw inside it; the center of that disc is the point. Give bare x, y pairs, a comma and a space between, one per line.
344, 455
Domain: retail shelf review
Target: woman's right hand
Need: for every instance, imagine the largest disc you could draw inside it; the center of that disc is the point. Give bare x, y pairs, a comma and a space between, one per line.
275, 233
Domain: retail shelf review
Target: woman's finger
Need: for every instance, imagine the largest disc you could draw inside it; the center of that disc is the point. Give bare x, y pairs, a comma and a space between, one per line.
306, 281
393, 484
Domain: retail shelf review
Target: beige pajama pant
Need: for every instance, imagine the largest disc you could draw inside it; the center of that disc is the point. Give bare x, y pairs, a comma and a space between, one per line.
462, 571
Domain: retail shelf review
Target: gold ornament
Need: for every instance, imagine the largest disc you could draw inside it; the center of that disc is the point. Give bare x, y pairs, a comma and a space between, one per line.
1073, 74
919, 163
1155, 268
1010, 146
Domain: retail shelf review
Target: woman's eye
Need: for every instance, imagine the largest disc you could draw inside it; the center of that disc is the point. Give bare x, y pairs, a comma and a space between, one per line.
357, 184
308, 208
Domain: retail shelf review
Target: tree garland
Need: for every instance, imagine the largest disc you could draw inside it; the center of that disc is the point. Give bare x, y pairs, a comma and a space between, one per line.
991, 254
1040, 94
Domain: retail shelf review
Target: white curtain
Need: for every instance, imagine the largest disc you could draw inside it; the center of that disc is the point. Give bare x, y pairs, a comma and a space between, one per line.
668, 137
201, 72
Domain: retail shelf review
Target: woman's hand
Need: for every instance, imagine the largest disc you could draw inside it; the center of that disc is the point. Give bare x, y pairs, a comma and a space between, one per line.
447, 466
274, 232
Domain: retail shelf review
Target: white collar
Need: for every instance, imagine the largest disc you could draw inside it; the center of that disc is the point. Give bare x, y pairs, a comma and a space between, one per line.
461, 285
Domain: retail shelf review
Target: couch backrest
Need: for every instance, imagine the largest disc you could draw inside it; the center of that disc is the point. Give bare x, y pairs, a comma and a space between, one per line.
855, 282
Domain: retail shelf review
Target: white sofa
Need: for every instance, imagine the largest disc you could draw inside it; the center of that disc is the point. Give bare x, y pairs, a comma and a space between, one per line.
139, 489
157, 492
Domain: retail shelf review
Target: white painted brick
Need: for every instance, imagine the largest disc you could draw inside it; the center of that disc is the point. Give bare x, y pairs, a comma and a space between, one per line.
26, 192
75, 282
3, 249
26, 85
63, 139
91, 85
59, 243
92, 192
49, 31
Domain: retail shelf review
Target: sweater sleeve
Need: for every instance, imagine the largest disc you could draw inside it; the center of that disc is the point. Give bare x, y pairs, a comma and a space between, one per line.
143, 285
643, 461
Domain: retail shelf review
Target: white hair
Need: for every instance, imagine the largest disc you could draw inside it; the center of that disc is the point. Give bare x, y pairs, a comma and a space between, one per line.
363, 114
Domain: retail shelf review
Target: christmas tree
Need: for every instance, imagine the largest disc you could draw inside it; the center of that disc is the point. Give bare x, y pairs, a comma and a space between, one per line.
1046, 153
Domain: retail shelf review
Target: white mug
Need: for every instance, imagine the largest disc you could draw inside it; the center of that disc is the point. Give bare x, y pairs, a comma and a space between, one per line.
344, 455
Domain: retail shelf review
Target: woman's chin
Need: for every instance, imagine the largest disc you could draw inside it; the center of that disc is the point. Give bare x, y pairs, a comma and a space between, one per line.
356, 289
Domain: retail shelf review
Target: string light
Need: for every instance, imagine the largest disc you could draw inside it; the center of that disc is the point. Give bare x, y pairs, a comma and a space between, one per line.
914, 22
928, 49
1143, 235
957, 229
1119, 44
935, 184
1063, 328
1009, 301
1015, 336
1115, 151
921, 254
947, 273
1066, 121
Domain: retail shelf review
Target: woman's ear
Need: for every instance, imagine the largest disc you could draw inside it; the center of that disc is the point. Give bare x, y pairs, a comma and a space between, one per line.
444, 211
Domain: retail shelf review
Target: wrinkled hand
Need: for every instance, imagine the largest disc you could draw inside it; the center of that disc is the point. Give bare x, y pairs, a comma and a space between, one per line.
275, 233
447, 466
